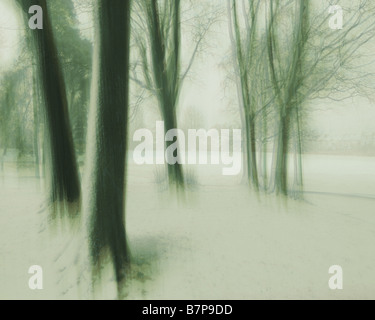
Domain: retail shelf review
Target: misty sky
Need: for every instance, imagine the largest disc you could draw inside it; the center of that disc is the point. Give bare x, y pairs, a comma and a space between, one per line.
9, 34
204, 90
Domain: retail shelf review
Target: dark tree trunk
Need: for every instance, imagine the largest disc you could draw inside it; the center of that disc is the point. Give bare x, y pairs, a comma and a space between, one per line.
65, 184
281, 181
108, 138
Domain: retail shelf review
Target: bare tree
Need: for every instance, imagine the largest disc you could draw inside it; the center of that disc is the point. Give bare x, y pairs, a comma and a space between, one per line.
308, 60
244, 53
160, 61
284, 55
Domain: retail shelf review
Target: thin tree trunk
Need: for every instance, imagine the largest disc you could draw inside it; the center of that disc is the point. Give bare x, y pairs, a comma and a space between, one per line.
298, 181
254, 167
248, 150
281, 173
264, 151
245, 159
36, 128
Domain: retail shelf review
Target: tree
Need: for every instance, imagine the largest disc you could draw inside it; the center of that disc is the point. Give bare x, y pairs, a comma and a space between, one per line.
164, 38
287, 94
8, 84
64, 176
281, 62
245, 59
106, 148
308, 60
160, 62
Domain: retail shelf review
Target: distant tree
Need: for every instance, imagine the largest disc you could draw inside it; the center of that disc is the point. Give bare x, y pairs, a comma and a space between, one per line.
16, 110
6, 111
75, 55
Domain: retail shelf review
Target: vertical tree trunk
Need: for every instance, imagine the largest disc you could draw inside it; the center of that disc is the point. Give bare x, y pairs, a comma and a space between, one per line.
108, 138
281, 180
175, 173
298, 179
244, 132
248, 150
254, 167
264, 151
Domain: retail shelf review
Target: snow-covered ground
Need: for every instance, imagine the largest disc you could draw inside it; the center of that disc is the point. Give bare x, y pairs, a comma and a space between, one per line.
220, 241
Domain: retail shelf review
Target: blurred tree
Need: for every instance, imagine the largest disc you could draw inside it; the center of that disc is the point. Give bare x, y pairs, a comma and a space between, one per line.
64, 184
160, 59
246, 60
308, 60
107, 145
5, 114
282, 61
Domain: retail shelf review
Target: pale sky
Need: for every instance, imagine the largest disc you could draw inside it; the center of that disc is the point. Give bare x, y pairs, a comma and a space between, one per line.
10, 28
205, 90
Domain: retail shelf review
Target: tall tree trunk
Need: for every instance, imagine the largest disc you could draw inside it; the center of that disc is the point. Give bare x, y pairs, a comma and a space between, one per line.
65, 184
106, 155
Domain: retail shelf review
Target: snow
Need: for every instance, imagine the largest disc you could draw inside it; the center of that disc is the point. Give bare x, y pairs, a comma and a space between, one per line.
219, 241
